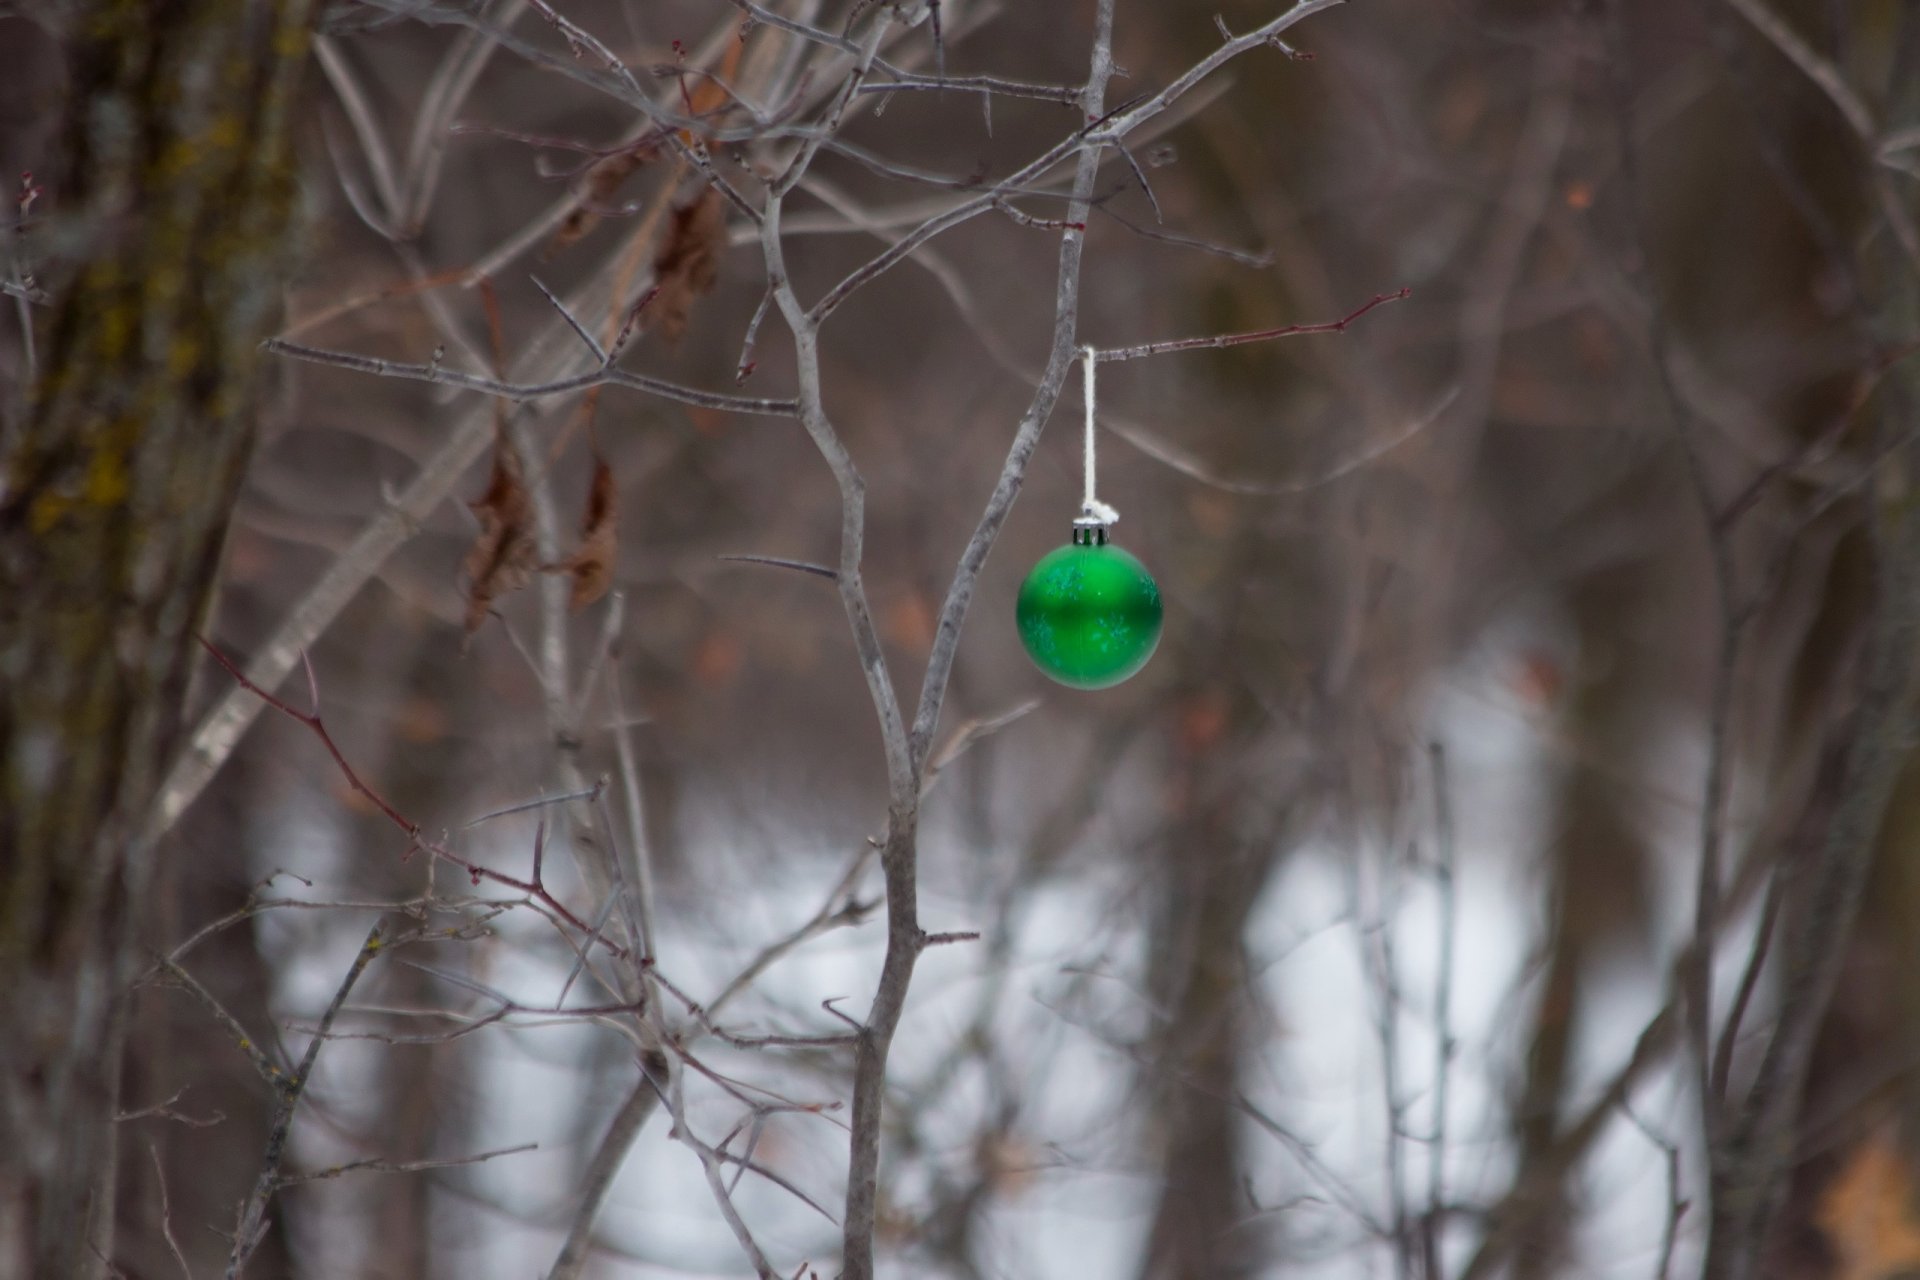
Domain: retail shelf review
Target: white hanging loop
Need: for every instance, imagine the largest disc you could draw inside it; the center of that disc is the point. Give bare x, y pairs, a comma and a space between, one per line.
1094, 514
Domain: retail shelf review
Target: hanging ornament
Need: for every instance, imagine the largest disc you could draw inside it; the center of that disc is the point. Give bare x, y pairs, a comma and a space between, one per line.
1089, 613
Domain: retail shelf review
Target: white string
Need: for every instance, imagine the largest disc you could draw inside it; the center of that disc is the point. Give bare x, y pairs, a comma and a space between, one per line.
1091, 508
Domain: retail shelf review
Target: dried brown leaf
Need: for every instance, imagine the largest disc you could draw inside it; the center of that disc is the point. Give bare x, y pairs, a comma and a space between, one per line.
503, 557
591, 564
603, 178
687, 265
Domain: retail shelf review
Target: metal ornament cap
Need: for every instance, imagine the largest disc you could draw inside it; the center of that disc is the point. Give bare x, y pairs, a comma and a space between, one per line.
1089, 613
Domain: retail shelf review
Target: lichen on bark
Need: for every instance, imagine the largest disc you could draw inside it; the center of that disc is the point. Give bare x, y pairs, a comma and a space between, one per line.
172, 200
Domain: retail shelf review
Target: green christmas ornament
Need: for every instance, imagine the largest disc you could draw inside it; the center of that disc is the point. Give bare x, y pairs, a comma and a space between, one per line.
1089, 613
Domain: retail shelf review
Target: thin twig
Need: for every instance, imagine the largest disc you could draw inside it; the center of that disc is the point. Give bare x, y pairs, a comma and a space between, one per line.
779, 562
253, 1216
592, 345
1106, 128
166, 1214
1219, 341
838, 909
377, 1165
538, 802
166, 1111
521, 391
672, 1097
262, 1065
747, 363
1140, 176
1361, 458
987, 85
1676, 1206
969, 734
426, 152
534, 888
1853, 109
1749, 980
1257, 260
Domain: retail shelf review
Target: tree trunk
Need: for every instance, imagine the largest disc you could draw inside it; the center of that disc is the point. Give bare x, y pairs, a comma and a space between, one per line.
173, 195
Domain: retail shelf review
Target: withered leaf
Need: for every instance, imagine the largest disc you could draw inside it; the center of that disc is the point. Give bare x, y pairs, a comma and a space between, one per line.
503, 557
688, 263
603, 178
591, 564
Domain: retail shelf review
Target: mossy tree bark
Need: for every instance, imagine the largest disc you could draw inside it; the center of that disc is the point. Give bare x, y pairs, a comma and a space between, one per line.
171, 203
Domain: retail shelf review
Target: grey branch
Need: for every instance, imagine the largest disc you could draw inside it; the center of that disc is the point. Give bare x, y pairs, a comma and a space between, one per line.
253, 1215
518, 391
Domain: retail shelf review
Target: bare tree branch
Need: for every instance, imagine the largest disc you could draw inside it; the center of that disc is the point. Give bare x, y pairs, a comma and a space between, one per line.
253, 1215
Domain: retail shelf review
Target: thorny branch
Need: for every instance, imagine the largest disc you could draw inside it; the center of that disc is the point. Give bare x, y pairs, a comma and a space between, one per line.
907, 751
534, 888
907, 742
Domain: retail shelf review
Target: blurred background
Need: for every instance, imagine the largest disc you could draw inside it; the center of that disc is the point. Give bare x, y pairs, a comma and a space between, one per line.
1337, 942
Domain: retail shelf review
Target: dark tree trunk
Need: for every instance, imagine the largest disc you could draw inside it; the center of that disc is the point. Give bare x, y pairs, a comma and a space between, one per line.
1217, 853
172, 200
1597, 900
188, 1174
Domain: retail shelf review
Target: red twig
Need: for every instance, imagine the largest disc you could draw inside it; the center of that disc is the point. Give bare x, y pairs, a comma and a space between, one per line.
534, 888
1259, 335
312, 720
